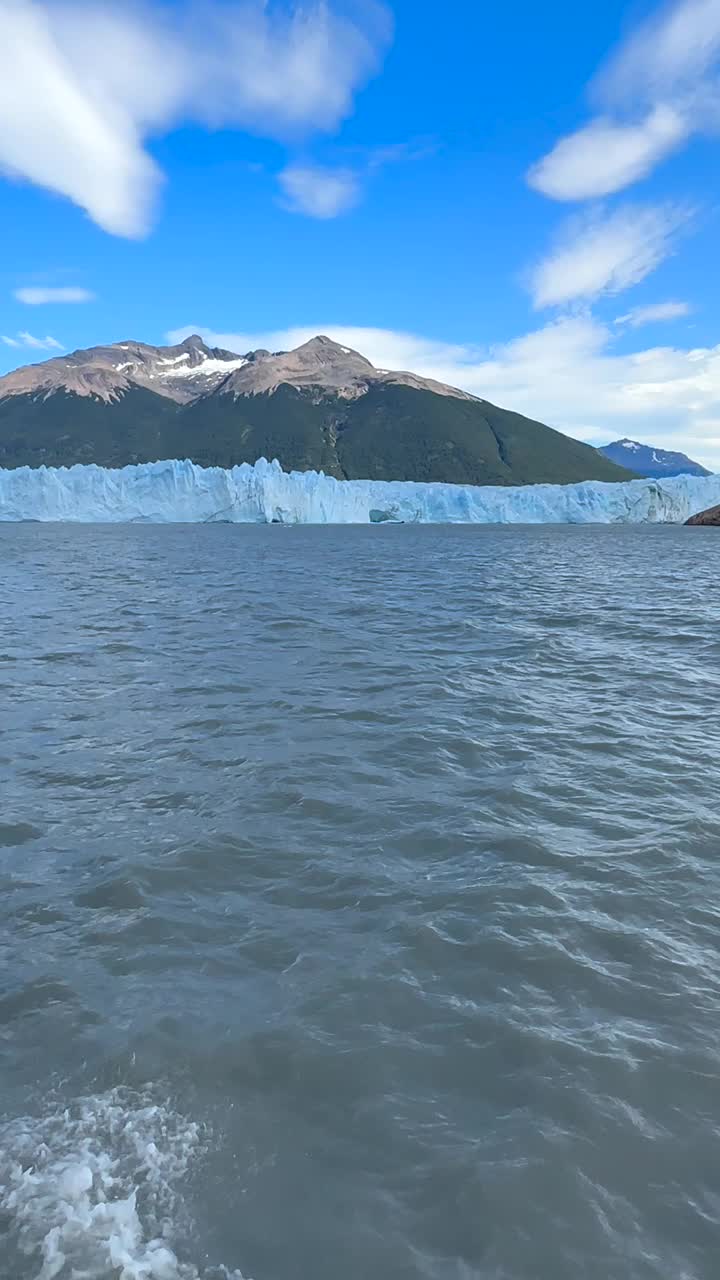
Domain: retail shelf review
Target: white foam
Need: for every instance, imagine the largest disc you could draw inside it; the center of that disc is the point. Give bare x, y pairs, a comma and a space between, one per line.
94, 1191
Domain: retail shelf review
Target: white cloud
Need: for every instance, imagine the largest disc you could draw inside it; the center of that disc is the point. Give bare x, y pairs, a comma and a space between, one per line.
665, 73
35, 297
605, 253
41, 344
61, 131
566, 374
25, 339
669, 55
607, 156
654, 313
319, 192
83, 83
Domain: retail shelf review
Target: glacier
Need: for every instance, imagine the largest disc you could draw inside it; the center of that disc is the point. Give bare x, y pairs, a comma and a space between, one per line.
181, 491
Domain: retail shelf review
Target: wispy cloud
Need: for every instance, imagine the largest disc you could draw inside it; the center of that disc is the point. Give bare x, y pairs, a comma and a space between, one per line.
83, 83
25, 339
659, 88
565, 373
319, 192
669, 55
606, 156
654, 313
324, 191
604, 253
36, 297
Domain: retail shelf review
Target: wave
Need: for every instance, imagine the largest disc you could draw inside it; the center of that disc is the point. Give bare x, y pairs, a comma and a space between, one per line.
94, 1189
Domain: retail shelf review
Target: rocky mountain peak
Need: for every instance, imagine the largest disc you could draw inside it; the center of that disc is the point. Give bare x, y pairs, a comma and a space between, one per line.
191, 370
193, 342
323, 351
651, 460
323, 365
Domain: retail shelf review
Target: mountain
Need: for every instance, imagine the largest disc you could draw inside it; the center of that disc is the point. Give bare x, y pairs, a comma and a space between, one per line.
644, 460
321, 406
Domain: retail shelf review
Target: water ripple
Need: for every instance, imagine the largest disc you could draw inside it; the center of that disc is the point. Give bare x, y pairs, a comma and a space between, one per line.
368, 877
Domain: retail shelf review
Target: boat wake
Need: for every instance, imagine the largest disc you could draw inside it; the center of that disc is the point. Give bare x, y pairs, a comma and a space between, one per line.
94, 1190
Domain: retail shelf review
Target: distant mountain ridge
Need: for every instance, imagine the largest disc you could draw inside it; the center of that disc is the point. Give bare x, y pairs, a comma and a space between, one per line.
646, 460
191, 370
321, 406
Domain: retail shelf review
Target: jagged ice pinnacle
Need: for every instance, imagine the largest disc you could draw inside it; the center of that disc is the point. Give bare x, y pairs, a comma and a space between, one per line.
173, 491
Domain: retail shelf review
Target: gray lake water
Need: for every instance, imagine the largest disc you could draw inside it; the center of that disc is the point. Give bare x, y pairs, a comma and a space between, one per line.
359, 903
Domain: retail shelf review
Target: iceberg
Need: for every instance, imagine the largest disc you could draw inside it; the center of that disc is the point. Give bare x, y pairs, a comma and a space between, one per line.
183, 492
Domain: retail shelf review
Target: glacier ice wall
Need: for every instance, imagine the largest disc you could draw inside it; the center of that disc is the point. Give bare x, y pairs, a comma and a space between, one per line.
184, 492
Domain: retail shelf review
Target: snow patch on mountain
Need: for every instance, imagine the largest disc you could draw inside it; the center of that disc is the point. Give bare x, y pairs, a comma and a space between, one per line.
208, 366
176, 359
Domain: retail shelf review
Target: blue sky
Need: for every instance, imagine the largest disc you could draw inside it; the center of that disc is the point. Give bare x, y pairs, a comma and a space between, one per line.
519, 199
